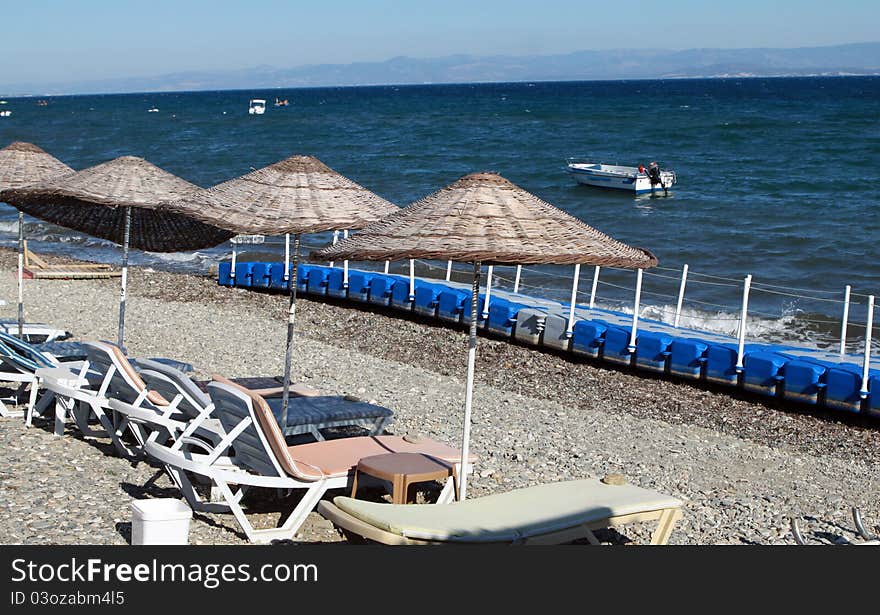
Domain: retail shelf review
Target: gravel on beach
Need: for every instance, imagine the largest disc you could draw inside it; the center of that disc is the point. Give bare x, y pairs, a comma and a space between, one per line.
741, 466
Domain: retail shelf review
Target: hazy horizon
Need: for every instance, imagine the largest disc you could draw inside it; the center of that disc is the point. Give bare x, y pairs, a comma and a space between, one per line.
91, 40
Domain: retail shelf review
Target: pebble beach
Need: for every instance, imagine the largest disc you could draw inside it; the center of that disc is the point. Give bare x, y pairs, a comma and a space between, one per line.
741, 467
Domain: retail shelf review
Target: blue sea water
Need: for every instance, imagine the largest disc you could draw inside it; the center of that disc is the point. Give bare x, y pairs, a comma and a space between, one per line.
777, 177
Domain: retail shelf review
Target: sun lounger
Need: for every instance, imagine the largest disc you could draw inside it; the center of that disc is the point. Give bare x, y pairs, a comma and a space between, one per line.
33, 332
37, 268
263, 459
309, 410
546, 514
20, 360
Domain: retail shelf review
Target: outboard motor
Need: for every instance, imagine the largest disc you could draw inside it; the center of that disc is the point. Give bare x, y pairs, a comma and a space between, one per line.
654, 176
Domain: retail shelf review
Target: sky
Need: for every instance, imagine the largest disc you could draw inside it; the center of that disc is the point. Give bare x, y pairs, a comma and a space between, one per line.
52, 41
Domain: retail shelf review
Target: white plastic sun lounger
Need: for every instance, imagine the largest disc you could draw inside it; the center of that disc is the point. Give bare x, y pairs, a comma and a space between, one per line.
111, 376
263, 459
310, 410
546, 514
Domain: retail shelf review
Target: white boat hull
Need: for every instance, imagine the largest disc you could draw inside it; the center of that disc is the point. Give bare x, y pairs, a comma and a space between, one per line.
619, 178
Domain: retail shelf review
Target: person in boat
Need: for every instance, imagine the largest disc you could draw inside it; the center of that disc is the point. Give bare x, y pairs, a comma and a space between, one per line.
641, 168
654, 173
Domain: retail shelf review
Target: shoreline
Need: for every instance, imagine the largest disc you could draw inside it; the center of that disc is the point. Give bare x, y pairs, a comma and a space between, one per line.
741, 466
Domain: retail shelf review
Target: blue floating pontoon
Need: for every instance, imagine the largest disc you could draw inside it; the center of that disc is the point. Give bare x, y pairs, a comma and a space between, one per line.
380, 289
616, 346
803, 380
336, 286
316, 283
224, 274
427, 298
587, 338
359, 285
653, 351
502, 316
843, 383
763, 372
450, 304
260, 275
795, 374
243, 274
687, 356
400, 297
721, 364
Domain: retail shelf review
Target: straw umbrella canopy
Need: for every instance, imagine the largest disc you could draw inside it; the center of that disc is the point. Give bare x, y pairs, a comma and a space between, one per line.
484, 218
121, 200
296, 195
22, 164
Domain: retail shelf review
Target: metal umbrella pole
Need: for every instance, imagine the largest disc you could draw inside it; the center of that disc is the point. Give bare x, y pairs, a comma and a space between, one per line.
291, 317
21, 274
126, 238
469, 392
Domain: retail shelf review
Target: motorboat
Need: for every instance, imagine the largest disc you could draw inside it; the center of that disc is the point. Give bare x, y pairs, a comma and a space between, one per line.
257, 106
5, 113
638, 180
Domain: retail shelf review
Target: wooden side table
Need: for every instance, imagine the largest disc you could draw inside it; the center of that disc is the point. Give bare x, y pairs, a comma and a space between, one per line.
403, 470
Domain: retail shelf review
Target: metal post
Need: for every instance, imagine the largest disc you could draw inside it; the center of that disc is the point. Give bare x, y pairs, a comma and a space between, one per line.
684, 277
412, 280
635, 325
469, 390
866, 365
845, 320
485, 312
747, 284
345, 265
335, 241
125, 242
516, 279
234, 255
291, 317
448, 270
574, 293
387, 266
286, 256
21, 274
595, 285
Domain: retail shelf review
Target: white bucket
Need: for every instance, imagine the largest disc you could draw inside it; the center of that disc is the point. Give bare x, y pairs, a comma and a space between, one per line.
161, 521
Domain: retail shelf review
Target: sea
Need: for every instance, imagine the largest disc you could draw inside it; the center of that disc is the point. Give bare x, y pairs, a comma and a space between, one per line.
777, 178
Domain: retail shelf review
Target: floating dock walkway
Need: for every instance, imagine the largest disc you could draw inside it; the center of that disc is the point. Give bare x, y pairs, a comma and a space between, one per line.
840, 383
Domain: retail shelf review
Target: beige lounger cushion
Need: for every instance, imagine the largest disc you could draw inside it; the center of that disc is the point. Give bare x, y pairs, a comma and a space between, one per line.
339, 457
509, 516
122, 360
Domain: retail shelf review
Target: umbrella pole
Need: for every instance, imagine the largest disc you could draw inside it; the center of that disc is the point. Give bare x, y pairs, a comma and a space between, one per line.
291, 316
469, 393
21, 274
127, 237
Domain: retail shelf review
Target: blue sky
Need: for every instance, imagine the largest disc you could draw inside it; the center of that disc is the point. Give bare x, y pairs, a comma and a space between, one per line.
65, 40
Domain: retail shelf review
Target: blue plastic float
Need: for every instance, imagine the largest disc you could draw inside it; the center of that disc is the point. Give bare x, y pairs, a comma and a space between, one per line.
768, 370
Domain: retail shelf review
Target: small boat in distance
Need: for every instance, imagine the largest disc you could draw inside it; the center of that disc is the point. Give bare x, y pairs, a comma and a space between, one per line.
5, 113
282, 103
638, 180
257, 106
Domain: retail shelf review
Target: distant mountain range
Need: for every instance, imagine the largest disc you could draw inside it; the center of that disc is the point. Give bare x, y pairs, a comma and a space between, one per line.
852, 59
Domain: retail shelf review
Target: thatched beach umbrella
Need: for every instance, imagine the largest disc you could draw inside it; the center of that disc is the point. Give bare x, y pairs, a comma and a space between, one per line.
121, 200
484, 218
294, 196
22, 164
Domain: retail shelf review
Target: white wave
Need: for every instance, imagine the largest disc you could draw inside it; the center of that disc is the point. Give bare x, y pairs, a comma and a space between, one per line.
724, 323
